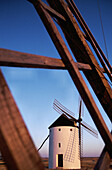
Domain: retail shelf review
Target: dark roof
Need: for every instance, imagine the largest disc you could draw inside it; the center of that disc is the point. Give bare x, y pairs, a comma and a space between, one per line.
62, 121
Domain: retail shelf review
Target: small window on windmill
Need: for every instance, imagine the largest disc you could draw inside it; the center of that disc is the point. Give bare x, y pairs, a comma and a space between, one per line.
59, 145
59, 129
70, 129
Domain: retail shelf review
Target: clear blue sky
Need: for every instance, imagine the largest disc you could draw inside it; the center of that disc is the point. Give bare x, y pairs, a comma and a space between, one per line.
34, 90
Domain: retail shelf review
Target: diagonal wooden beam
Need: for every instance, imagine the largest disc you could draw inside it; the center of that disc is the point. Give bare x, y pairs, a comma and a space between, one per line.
104, 160
75, 74
53, 12
90, 37
84, 54
16, 145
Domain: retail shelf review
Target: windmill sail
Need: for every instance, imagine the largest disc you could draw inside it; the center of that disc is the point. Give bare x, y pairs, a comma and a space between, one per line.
71, 147
70, 152
63, 110
89, 129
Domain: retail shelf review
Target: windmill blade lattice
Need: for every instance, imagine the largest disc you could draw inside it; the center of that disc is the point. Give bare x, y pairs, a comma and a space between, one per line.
89, 129
63, 110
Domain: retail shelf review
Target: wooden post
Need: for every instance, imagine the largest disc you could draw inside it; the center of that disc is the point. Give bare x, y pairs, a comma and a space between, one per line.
16, 145
103, 162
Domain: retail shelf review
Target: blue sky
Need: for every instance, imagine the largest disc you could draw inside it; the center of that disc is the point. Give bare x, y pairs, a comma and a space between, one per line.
34, 90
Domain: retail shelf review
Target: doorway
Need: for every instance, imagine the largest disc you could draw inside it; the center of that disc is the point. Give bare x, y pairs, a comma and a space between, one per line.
60, 160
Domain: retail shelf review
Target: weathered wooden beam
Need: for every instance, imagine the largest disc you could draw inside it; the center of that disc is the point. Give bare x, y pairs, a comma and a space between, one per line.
16, 145
20, 59
90, 37
75, 74
103, 162
55, 14
83, 54
52, 11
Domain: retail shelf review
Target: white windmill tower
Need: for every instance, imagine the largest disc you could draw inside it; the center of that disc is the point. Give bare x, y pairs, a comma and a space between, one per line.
65, 139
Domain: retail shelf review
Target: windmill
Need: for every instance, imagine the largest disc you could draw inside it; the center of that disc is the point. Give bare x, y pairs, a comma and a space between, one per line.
64, 111
65, 138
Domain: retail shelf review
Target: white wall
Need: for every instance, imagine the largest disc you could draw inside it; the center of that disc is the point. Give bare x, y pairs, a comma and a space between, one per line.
69, 147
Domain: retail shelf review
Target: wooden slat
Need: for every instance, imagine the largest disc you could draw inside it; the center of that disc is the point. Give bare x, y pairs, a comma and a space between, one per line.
75, 75
19, 59
83, 54
16, 144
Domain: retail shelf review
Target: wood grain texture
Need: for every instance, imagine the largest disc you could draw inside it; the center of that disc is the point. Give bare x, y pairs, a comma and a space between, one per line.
20, 59
84, 54
16, 144
75, 74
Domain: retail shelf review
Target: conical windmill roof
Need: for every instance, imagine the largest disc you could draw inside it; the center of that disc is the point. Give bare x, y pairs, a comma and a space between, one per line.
62, 121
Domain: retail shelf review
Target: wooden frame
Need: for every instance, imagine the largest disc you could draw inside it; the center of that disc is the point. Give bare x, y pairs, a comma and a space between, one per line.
20, 142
